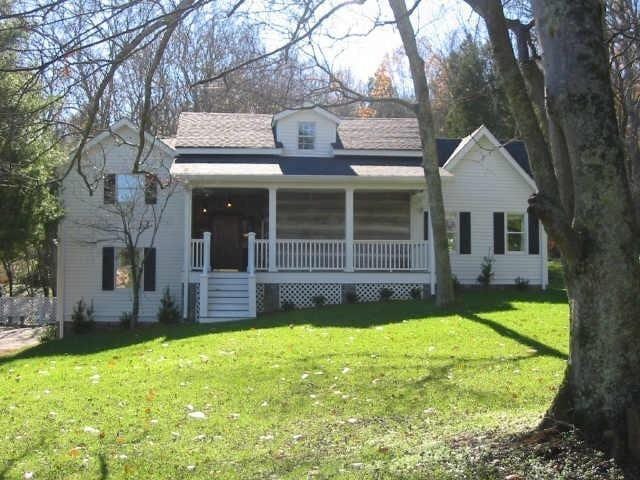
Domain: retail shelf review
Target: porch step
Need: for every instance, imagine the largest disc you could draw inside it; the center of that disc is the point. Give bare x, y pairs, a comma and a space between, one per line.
228, 297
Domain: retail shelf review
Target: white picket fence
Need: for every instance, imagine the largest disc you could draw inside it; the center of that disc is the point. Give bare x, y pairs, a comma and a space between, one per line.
27, 310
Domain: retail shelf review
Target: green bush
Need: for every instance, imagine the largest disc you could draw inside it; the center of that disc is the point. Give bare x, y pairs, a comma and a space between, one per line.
288, 306
521, 283
125, 320
168, 311
319, 300
48, 334
351, 297
82, 317
486, 272
416, 293
457, 286
386, 294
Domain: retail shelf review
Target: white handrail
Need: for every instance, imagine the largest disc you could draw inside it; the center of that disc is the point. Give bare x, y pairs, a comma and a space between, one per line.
197, 253
390, 255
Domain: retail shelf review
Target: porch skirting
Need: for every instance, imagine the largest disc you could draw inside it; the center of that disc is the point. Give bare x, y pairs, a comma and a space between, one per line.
273, 296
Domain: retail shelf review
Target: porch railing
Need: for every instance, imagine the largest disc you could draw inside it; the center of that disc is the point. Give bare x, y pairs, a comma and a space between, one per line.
197, 253
310, 255
327, 255
390, 255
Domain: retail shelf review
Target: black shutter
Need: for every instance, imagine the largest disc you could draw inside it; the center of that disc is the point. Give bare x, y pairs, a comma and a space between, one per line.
534, 235
498, 233
150, 189
465, 233
109, 188
108, 267
149, 271
426, 225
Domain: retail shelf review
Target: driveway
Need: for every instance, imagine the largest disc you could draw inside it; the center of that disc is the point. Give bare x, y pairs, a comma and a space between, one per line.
17, 338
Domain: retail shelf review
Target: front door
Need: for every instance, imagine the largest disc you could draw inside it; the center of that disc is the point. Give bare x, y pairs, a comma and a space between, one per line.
227, 242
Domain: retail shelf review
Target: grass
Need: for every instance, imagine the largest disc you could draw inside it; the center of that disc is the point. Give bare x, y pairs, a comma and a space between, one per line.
353, 391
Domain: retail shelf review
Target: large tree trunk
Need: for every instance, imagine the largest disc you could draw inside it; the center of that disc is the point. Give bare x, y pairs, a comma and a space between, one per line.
603, 380
591, 216
444, 294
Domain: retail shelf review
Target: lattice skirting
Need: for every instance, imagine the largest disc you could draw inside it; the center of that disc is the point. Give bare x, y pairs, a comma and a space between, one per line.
370, 292
27, 310
197, 300
301, 294
260, 297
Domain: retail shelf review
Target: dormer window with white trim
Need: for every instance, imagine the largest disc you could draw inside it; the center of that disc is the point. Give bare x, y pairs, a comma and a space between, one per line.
306, 135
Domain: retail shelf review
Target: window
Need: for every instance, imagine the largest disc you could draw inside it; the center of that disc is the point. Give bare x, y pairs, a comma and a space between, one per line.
452, 230
515, 232
124, 266
306, 135
127, 187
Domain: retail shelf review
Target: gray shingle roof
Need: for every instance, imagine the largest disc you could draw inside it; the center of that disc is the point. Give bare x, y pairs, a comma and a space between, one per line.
379, 134
225, 130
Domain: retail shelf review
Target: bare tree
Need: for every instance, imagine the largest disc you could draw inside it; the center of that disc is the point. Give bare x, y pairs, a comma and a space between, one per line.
566, 114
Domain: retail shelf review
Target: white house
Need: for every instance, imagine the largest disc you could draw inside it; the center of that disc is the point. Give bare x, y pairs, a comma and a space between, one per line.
278, 209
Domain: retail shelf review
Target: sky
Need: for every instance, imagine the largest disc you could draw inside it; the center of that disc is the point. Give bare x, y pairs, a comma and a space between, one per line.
434, 20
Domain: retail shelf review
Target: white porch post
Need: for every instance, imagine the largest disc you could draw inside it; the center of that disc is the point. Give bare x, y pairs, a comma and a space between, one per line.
348, 229
251, 270
204, 277
432, 260
186, 268
273, 222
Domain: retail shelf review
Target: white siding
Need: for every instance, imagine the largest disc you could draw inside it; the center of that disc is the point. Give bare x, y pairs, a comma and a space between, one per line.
287, 133
485, 182
82, 269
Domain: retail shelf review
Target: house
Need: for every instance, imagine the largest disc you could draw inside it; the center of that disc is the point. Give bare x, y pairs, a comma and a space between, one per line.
271, 210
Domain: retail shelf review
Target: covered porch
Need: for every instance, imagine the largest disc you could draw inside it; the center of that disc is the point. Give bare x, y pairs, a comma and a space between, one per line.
307, 230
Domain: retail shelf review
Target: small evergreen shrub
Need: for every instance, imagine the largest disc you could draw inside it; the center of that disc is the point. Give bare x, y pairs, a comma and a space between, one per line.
486, 272
288, 306
48, 334
457, 286
351, 297
386, 294
168, 311
319, 300
125, 320
416, 293
521, 283
82, 317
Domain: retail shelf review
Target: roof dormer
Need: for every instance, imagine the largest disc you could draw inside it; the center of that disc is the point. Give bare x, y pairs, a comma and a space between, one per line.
306, 131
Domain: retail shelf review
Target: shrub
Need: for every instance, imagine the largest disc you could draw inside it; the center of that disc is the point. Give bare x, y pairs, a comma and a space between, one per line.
416, 293
48, 334
288, 306
386, 294
457, 286
521, 283
319, 300
82, 317
351, 297
486, 271
168, 311
125, 320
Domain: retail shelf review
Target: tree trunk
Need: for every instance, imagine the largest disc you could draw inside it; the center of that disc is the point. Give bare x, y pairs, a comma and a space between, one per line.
598, 235
445, 294
603, 379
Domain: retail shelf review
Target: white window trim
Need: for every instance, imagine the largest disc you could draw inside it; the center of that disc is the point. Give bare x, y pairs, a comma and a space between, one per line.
525, 234
314, 137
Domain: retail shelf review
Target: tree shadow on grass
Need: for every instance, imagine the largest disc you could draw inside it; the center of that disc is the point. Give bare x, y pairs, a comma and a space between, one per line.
365, 315
541, 348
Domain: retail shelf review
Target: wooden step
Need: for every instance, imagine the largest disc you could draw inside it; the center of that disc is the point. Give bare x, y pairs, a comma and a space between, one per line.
239, 313
229, 300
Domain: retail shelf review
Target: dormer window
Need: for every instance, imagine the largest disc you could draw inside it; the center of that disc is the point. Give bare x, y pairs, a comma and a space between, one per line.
306, 135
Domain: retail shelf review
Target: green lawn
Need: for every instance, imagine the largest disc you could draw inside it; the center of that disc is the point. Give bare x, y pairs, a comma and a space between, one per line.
354, 391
